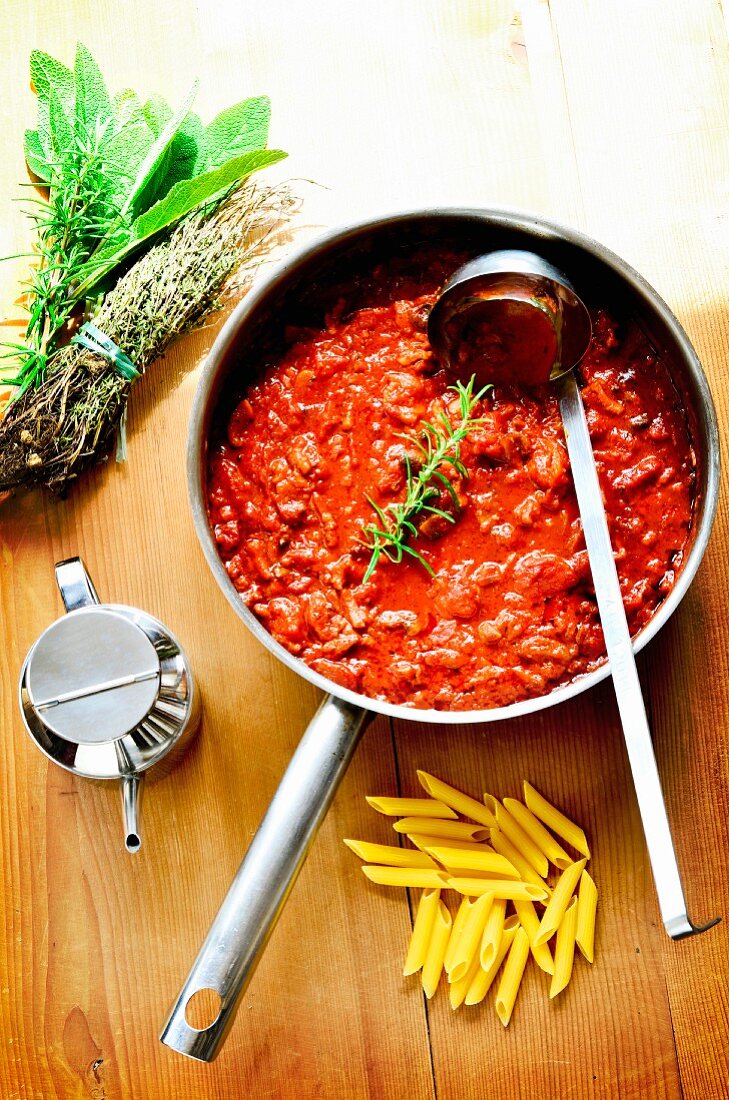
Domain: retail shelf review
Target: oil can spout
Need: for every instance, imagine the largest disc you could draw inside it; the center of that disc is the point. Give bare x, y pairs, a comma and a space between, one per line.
131, 786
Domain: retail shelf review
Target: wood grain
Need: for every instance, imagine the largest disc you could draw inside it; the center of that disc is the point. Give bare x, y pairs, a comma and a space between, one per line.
609, 117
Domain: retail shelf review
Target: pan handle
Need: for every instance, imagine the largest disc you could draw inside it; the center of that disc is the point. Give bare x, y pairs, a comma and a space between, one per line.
258, 893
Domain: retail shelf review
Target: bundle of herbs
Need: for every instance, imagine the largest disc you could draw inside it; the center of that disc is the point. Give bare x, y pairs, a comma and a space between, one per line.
146, 216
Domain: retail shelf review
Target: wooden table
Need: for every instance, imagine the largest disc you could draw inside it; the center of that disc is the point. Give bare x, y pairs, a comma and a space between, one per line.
610, 117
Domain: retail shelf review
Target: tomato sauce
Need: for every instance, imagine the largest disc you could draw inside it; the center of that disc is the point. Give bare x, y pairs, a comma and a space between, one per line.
510, 611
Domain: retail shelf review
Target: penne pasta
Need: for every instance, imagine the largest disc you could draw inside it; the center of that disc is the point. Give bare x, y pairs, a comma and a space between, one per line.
555, 820
425, 843
433, 965
527, 915
491, 803
586, 908
390, 855
559, 901
504, 847
534, 829
500, 887
483, 979
511, 977
492, 933
521, 841
467, 947
458, 830
457, 990
458, 924
564, 951
422, 929
405, 876
500, 856
485, 861
456, 799
409, 807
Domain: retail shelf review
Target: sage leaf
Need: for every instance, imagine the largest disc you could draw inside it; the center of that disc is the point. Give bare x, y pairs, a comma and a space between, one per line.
187, 150
238, 129
93, 106
158, 113
35, 157
125, 105
125, 153
61, 126
152, 169
187, 194
47, 73
187, 153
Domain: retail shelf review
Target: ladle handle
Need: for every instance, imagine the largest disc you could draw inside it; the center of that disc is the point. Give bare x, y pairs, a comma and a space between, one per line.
246, 918
619, 647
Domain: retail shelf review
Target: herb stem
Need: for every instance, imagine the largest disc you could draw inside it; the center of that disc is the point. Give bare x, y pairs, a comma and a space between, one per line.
440, 449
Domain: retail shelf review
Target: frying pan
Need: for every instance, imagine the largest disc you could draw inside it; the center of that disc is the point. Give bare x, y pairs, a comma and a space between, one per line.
296, 292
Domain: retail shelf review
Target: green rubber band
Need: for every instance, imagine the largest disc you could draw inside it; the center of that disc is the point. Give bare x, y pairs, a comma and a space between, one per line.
91, 337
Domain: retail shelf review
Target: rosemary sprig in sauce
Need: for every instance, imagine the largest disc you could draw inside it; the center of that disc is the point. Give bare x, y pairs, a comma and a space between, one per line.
440, 448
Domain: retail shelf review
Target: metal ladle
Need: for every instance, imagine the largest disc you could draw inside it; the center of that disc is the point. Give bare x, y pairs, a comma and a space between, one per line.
520, 310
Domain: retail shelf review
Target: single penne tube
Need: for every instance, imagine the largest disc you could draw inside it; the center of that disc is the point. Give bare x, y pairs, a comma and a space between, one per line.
458, 923
406, 876
511, 977
534, 829
492, 932
586, 909
559, 901
521, 840
507, 888
555, 820
470, 937
486, 861
564, 951
433, 965
422, 929
424, 843
483, 979
390, 854
529, 920
457, 990
504, 847
491, 803
409, 807
457, 800
458, 830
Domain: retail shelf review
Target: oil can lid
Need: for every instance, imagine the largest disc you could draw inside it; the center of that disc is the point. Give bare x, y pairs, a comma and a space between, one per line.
93, 676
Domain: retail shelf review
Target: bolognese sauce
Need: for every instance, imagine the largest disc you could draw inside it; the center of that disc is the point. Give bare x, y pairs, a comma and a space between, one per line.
508, 611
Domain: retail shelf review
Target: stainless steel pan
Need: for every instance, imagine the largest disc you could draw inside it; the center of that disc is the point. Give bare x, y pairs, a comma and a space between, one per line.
290, 292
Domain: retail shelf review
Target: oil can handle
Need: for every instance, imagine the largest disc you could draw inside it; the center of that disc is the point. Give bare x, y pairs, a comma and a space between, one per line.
253, 904
77, 588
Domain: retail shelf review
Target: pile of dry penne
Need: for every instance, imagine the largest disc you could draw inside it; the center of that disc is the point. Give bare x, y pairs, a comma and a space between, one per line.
500, 857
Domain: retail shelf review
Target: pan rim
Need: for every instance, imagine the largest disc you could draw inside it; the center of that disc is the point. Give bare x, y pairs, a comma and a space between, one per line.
338, 235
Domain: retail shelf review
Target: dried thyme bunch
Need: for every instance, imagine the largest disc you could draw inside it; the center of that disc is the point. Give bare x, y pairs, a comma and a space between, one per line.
50, 434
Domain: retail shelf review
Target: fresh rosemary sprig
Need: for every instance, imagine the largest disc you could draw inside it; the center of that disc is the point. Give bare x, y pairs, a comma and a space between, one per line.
439, 447
69, 225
